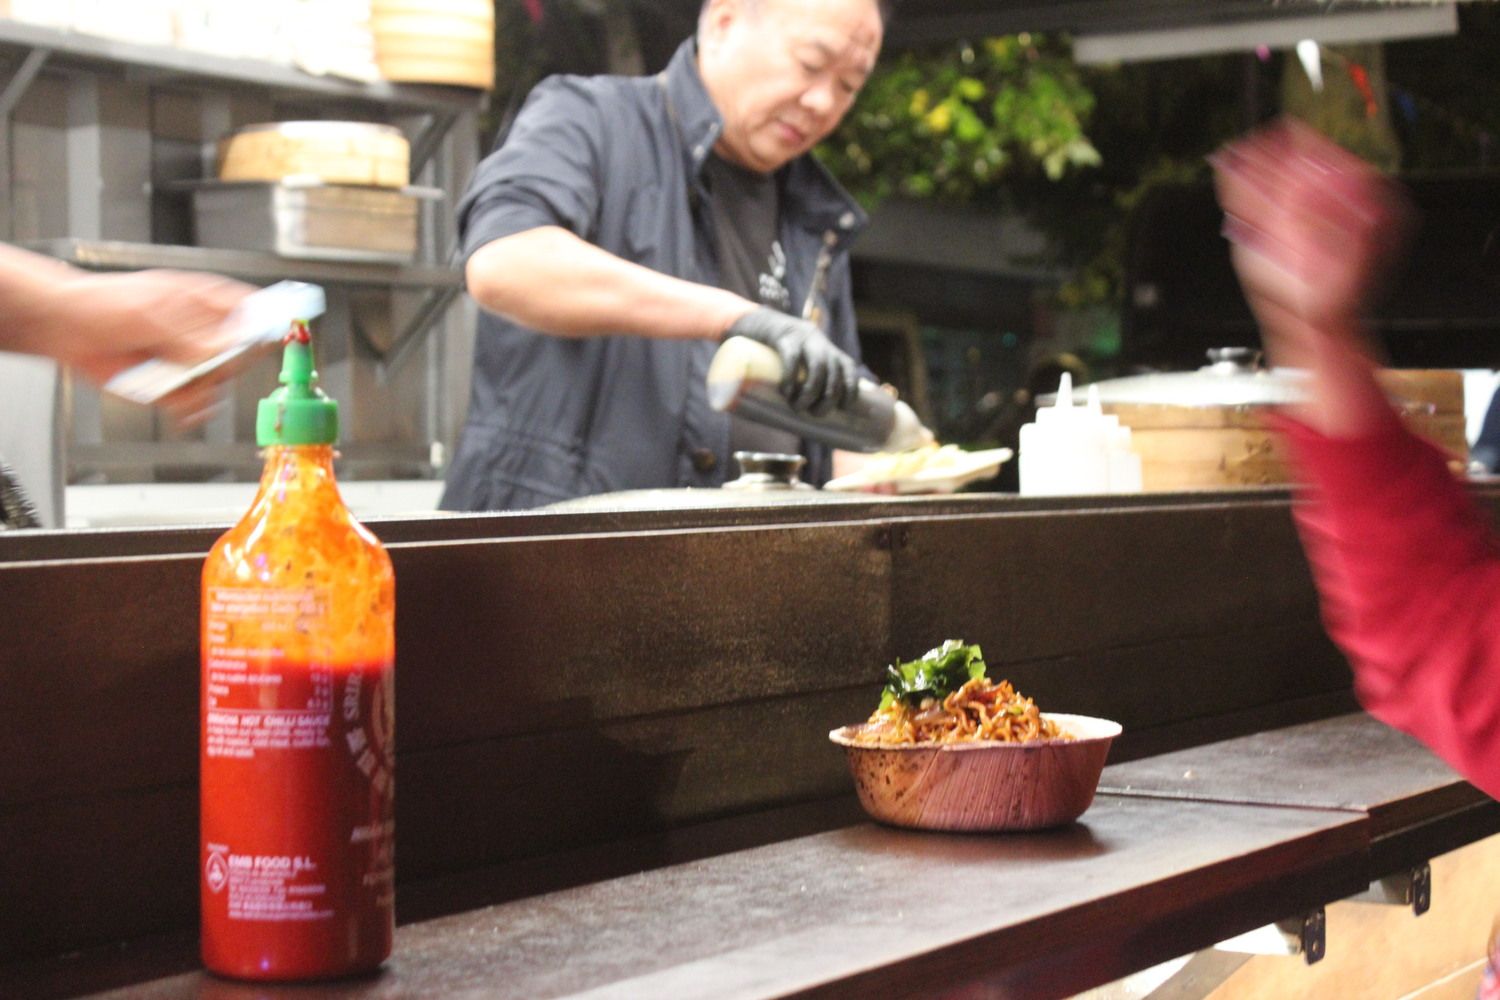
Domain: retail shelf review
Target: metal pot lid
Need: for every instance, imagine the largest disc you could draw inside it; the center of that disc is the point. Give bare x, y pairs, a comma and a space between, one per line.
764, 471
1233, 377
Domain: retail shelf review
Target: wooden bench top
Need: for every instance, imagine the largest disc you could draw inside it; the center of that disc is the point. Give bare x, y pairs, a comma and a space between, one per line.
865, 910
1178, 852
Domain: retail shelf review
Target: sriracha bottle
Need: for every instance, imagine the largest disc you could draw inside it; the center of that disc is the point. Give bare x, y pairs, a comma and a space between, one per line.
298, 649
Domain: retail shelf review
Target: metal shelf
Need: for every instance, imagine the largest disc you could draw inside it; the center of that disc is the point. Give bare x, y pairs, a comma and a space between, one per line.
390, 329
107, 255
235, 455
77, 49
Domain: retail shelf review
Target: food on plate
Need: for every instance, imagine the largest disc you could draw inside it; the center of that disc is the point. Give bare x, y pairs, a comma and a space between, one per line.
886, 465
930, 468
898, 464
945, 697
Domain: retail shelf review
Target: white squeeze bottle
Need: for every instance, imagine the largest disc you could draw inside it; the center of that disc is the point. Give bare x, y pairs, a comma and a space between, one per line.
1124, 465
1068, 449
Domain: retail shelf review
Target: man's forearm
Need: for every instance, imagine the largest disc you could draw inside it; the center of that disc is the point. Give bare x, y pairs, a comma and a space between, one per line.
550, 280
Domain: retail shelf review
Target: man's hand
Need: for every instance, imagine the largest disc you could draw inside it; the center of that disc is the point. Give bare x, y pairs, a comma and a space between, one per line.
816, 376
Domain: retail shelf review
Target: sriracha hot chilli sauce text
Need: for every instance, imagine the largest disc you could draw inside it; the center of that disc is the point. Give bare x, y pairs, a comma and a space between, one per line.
297, 835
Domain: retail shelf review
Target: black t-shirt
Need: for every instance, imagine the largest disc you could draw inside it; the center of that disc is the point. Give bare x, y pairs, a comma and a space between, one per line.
746, 209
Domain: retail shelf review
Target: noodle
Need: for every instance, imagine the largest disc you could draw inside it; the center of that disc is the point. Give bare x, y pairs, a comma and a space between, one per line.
980, 710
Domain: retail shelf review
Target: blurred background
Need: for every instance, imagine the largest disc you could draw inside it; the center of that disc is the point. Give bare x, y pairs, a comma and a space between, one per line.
1035, 173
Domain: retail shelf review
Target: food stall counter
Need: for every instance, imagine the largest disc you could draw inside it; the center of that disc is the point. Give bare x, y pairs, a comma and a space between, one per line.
871, 911
1418, 807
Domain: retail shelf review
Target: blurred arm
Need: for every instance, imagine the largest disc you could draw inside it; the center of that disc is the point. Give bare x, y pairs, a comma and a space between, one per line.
1406, 566
104, 323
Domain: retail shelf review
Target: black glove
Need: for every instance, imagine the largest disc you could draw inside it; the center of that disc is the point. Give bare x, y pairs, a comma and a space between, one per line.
816, 376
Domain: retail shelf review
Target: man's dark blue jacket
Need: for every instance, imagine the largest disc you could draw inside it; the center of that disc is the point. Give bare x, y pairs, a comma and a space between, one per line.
618, 161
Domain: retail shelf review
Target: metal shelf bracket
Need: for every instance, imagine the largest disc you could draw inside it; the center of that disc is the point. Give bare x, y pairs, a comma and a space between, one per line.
21, 79
439, 124
1304, 935
1411, 887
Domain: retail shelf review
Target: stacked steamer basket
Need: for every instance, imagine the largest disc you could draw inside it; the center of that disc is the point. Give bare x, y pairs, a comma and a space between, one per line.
1431, 402
332, 152
1209, 430
313, 189
435, 41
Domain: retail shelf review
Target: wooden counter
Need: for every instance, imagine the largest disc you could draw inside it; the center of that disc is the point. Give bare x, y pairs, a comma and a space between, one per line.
1417, 806
1191, 848
868, 911
566, 692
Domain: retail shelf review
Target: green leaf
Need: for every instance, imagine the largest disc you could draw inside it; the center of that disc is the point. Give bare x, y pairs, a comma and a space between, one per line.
926, 117
936, 674
967, 125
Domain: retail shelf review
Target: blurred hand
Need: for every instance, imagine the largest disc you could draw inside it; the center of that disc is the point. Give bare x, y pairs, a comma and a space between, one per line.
816, 375
106, 323
1312, 229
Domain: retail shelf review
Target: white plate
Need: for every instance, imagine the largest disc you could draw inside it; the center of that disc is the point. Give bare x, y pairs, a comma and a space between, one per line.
946, 477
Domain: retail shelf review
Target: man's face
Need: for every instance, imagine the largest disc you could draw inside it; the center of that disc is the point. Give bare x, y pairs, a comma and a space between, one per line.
784, 72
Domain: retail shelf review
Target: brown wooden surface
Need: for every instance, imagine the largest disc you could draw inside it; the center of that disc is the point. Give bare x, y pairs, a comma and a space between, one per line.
1223, 447
1352, 762
442, 526
574, 689
1417, 805
1143, 616
143, 959
1434, 390
867, 911
553, 692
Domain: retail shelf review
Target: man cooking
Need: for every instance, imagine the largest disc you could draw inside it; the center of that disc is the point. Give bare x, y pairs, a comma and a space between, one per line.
627, 225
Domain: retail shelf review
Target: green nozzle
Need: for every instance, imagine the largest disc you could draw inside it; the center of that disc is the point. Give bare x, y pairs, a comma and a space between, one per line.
298, 412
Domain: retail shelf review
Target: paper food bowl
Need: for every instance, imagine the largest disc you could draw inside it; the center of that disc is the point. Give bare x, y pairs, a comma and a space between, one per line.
982, 786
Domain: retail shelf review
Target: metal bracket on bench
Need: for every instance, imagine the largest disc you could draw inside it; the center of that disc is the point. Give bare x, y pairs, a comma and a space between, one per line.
1198, 975
1302, 935
1412, 887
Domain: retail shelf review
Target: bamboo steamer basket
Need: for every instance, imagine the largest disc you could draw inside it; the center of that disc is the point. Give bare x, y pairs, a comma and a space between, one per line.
1208, 429
333, 152
435, 41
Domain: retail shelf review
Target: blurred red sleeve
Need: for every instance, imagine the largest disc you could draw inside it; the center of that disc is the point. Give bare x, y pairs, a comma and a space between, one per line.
1408, 572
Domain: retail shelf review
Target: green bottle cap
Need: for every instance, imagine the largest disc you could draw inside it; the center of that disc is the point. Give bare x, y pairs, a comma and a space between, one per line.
298, 412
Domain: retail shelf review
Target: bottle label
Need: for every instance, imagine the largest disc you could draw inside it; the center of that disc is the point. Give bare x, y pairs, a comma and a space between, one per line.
297, 777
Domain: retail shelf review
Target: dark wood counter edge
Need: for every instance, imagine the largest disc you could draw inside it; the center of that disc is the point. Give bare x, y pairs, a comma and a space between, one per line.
1400, 846
1056, 953
440, 526
1067, 951
1078, 948
111, 966
1436, 822
96, 543
1405, 832
129, 962
1419, 843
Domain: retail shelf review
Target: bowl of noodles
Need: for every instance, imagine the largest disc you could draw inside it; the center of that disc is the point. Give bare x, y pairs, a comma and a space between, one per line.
949, 749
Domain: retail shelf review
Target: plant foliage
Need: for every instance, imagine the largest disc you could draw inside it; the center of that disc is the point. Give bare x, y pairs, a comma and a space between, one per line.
954, 124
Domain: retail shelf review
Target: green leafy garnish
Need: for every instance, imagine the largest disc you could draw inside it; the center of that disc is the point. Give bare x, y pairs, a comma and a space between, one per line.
936, 674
